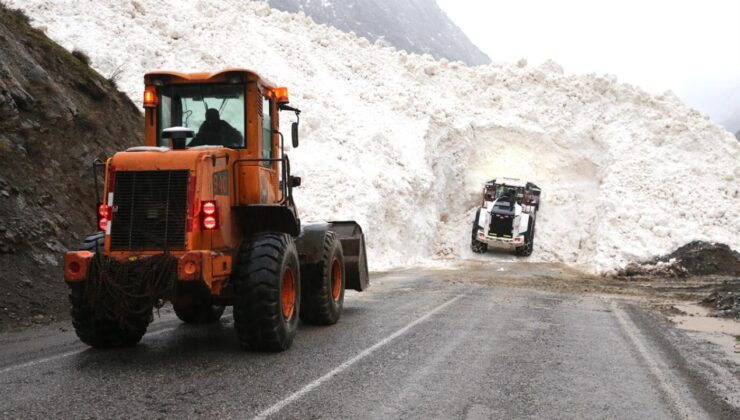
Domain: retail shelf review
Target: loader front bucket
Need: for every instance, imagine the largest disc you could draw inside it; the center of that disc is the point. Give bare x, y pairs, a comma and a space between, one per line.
355, 259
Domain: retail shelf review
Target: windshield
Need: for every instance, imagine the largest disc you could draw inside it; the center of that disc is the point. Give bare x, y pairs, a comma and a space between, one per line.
502, 190
215, 113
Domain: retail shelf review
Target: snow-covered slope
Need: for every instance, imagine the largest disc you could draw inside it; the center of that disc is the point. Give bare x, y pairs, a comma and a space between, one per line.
402, 143
416, 26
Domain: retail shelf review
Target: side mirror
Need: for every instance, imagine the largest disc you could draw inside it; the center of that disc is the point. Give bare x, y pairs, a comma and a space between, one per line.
295, 181
294, 133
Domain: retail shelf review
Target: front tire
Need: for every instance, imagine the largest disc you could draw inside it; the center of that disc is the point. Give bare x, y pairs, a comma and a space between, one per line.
528, 247
267, 292
324, 283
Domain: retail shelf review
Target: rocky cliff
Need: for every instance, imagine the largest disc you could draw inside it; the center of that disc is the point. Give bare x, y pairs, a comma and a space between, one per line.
56, 116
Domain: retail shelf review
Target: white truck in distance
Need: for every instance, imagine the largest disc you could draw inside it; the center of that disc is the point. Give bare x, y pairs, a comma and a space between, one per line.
507, 216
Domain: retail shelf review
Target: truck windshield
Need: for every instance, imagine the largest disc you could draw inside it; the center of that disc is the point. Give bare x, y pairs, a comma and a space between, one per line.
215, 113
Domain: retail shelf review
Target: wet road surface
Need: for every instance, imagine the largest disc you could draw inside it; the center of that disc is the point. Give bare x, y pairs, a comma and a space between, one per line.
413, 346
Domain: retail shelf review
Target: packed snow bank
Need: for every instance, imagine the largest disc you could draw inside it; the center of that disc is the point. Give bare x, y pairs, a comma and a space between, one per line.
403, 143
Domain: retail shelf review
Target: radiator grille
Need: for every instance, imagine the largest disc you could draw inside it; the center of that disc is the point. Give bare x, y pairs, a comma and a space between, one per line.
501, 224
150, 210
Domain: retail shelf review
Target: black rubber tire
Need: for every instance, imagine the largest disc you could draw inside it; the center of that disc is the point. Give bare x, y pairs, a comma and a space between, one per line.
318, 306
193, 306
258, 316
93, 243
478, 247
528, 247
475, 245
102, 333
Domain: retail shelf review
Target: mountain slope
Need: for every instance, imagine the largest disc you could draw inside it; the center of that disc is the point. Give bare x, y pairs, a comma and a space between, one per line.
417, 26
57, 116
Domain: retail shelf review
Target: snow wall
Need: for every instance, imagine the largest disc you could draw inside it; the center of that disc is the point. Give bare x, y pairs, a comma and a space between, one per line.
403, 143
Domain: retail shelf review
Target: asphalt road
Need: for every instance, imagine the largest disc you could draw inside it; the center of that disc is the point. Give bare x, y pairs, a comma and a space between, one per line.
413, 346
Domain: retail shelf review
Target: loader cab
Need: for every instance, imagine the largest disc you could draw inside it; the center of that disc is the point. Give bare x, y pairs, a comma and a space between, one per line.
235, 108
234, 116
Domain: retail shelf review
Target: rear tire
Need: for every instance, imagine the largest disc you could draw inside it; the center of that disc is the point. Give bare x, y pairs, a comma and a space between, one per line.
267, 292
103, 332
477, 246
324, 285
94, 243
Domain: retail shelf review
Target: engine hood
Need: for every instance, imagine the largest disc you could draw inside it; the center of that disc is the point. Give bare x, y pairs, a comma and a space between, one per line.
162, 158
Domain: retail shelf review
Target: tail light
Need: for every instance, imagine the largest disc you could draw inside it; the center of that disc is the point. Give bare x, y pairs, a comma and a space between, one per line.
104, 216
208, 215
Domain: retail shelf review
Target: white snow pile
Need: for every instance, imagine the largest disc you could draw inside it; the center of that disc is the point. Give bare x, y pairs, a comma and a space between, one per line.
403, 143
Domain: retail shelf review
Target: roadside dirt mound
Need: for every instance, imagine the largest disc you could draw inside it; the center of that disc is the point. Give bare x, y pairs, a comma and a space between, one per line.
703, 258
726, 299
57, 116
696, 258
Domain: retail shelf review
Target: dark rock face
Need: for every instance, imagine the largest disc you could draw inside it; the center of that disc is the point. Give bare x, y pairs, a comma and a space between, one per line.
737, 135
693, 259
417, 26
726, 300
56, 116
703, 258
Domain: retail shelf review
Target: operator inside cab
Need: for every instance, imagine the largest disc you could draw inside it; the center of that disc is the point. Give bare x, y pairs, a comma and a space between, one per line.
216, 132
507, 198
215, 112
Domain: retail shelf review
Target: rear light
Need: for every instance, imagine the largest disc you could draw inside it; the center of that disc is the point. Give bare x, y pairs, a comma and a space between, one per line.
208, 215
104, 216
209, 208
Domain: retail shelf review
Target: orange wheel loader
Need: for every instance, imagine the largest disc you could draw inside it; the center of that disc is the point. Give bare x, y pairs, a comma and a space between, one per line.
203, 216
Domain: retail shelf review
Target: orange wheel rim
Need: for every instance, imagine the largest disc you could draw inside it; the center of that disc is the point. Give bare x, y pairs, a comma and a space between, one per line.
288, 293
336, 280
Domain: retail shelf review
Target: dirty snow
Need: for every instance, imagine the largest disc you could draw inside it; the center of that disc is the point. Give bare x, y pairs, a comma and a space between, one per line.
403, 143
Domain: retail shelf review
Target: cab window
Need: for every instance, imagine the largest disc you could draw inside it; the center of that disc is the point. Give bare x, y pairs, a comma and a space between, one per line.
267, 129
214, 112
